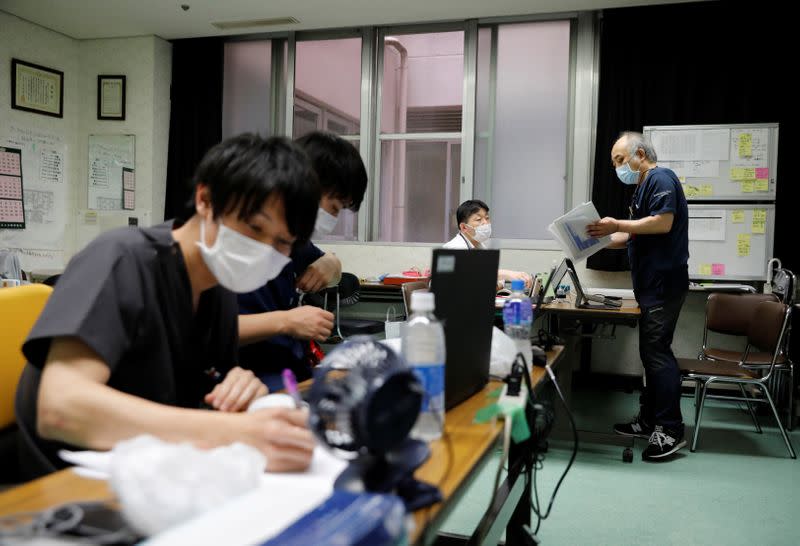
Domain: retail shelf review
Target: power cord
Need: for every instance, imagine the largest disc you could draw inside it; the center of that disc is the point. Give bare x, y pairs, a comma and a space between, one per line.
539, 457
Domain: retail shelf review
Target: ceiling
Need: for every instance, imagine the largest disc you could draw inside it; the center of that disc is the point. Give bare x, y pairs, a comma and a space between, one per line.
86, 19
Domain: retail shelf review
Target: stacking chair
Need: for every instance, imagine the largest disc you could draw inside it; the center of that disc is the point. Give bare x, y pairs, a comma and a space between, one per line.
766, 331
19, 306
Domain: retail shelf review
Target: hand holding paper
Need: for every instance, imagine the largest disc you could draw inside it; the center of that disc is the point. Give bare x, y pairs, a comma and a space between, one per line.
570, 230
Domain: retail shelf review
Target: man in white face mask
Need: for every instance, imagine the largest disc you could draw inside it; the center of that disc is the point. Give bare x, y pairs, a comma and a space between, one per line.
142, 325
474, 230
274, 332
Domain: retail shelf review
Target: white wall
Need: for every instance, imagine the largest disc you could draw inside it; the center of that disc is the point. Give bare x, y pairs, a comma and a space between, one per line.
147, 63
28, 42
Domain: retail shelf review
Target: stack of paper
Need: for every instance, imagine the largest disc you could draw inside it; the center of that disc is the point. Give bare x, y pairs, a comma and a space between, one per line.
570, 232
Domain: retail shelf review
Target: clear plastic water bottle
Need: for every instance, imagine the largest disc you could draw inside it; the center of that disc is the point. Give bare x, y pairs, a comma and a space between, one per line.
424, 350
518, 319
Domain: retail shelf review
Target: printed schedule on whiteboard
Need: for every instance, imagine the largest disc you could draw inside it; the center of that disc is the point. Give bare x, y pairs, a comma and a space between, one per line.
12, 211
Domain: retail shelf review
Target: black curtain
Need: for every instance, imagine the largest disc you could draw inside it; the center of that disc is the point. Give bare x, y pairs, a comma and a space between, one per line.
688, 64
195, 121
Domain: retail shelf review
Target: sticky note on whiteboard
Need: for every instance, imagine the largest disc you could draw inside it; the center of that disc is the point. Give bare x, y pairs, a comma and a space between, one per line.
717, 269
743, 244
745, 145
737, 216
748, 186
762, 184
705, 269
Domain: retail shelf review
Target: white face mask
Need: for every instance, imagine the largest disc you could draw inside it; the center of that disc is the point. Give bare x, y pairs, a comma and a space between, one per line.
239, 263
326, 222
482, 232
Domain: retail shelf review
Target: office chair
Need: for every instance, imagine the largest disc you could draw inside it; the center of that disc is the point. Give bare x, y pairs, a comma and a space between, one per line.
766, 331
21, 305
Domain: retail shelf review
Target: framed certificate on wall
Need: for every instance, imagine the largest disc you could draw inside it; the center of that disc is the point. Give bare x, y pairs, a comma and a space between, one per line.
111, 97
37, 88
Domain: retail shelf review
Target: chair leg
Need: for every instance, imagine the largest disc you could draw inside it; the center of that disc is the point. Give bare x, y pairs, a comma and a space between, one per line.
699, 416
790, 409
750, 408
780, 423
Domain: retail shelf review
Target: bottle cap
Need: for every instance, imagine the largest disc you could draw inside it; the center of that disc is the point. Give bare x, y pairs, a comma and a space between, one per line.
422, 300
517, 285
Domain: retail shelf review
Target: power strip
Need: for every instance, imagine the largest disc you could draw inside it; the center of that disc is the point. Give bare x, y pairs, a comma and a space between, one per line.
507, 401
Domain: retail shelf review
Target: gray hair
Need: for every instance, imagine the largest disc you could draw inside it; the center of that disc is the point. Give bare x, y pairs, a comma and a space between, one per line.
638, 140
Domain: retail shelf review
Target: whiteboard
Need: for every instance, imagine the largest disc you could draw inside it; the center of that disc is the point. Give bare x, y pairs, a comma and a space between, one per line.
730, 241
714, 162
108, 156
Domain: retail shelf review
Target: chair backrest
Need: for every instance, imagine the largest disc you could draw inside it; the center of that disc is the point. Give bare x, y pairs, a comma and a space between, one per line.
408, 288
783, 285
20, 307
731, 313
768, 328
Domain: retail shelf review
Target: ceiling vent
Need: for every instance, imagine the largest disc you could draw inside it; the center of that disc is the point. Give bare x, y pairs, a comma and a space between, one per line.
253, 23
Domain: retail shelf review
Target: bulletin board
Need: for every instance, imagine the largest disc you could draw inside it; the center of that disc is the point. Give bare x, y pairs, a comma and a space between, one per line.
110, 158
736, 162
730, 241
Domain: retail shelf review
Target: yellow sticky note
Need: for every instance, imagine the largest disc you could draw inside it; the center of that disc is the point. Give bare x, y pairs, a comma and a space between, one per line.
762, 184
745, 145
682, 179
705, 269
759, 221
748, 185
743, 173
706, 190
737, 216
691, 191
743, 244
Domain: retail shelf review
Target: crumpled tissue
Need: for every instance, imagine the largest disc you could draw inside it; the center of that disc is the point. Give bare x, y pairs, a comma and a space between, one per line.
160, 484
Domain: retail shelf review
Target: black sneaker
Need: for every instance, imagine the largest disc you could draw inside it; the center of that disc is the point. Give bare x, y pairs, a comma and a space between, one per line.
663, 443
637, 428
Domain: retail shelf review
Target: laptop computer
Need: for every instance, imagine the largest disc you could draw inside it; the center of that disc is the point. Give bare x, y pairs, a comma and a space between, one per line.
464, 282
582, 299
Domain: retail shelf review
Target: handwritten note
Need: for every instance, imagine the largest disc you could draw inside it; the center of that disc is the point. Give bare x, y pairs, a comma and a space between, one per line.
759, 221
743, 173
737, 216
762, 184
762, 172
691, 191
717, 269
705, 269
745, 145
743, 244
748, 186
706, 190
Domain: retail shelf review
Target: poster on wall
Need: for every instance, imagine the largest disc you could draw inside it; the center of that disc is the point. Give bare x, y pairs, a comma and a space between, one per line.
12, 212
45, 197
109, 155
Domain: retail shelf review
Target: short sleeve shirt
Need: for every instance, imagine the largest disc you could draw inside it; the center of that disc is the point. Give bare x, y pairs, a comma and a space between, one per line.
659, 262
273, 355
127, 296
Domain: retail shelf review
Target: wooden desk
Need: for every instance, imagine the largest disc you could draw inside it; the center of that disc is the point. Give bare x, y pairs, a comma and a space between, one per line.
471, 444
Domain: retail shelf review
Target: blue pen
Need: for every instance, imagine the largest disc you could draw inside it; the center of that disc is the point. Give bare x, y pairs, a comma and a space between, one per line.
290, 384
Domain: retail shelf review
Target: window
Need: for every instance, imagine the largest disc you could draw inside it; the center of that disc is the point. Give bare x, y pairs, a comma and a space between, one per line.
246, 88
420, 136
522, 91
327, 97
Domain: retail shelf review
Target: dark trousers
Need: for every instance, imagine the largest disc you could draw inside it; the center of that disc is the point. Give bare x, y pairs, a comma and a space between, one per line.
661, 399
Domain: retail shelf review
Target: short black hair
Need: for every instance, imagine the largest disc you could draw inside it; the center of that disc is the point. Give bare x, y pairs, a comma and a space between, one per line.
246, 170
468, 208
338, 165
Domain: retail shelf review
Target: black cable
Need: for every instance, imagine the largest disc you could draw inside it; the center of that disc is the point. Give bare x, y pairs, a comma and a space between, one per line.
539, 458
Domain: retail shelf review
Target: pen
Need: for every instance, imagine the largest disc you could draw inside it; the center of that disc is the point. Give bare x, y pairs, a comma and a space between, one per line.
290, 384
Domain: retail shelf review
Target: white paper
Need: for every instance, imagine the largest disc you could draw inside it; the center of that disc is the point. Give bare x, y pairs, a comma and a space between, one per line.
691, 144
714, 145
760, 149
707, 225
44, 154
255, 517
676, 145
108, 154
570, 232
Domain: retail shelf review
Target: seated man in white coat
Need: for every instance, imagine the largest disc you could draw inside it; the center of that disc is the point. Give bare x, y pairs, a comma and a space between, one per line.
474, 229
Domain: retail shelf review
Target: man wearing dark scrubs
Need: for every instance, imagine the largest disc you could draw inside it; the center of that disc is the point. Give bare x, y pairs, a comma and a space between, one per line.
141, 328
657, 239
273, 330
